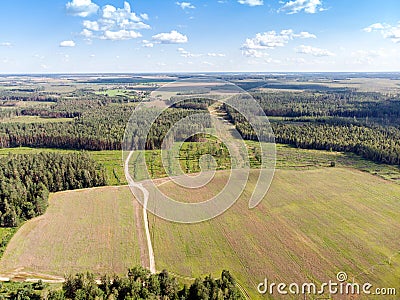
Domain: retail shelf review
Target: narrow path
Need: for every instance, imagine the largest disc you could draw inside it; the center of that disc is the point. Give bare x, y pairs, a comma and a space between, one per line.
150, 261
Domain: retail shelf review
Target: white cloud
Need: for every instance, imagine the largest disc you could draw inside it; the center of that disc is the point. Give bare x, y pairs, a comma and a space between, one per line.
314, 51
387, 31
144, 16
87, 33
91, 25
253, 47
173, 37
120, 35
185, 53
308, 6
251, 2
306, 35
185, 5
254, 53
147, 44
115, 23
82, 8
376, 26
6, 44
67, 44
216, 54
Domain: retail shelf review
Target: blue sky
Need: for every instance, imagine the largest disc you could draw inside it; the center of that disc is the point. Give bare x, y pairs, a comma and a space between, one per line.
199, 36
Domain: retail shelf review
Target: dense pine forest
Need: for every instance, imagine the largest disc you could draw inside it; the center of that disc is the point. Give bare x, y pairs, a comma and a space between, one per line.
366, 124
26, 180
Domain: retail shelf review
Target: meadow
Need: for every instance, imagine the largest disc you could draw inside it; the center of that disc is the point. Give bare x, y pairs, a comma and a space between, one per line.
84, 230
311, 225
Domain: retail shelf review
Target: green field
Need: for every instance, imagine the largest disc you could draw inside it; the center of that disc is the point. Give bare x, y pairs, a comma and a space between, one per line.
35, 119
287, 158
87, 230
311, 225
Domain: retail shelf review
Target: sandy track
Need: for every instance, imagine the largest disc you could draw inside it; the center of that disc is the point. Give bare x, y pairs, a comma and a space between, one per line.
149, 260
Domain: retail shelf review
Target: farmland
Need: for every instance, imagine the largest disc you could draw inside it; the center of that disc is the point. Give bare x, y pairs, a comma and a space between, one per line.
85, 230
311, 225
332, 205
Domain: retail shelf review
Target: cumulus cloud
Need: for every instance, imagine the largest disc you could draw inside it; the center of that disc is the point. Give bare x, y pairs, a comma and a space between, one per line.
91, 25
112, 23
173, 37
82, 8
314, 51
185, 5
251, 2
147, 44
67, 44
271, 40
308, 6
388, 31
87, 33
144, 16
120, 35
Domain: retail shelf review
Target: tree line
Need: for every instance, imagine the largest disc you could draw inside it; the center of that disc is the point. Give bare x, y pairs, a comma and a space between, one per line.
27, 179
138, 283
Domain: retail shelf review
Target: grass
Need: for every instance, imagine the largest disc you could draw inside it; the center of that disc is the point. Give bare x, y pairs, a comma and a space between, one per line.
117, 92
287, 158
86, 230
311, 225
35, 119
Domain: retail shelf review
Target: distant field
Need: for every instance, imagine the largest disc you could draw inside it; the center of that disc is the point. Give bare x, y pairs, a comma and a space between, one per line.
83, 230
35, 119
384, 85
311, 225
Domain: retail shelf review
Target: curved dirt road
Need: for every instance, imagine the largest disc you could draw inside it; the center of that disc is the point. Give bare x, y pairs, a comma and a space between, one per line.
150, 261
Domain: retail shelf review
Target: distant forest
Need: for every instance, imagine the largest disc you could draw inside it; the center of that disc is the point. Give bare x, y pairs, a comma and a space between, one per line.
364, 123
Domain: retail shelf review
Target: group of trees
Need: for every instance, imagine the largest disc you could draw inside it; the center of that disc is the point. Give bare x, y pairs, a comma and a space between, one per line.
26, 180
139, 283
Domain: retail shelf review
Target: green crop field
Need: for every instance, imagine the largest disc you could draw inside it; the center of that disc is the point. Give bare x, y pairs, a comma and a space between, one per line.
311, 225
86, 230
